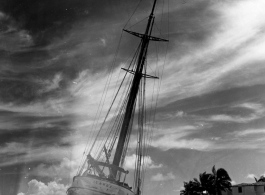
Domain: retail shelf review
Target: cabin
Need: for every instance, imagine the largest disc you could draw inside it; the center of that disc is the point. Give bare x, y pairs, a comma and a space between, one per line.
257, 188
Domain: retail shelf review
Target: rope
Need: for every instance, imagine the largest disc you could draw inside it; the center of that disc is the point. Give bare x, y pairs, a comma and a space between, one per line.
132, 14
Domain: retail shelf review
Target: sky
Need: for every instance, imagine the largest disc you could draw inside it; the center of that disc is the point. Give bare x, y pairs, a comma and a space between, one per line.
55, 60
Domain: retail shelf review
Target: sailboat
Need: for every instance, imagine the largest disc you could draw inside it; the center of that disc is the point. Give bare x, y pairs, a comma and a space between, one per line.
102, 172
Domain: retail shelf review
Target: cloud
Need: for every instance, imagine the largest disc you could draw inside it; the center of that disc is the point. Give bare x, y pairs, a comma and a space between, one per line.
175, 137
161, 177
14, 153
257, 110
250, 176
168, 142
248, 132
65, 169
148, 162
54, 83
228, 118
230, 49
39, 188
12, 37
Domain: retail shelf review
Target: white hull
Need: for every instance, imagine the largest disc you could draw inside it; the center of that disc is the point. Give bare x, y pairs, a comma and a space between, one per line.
92, 185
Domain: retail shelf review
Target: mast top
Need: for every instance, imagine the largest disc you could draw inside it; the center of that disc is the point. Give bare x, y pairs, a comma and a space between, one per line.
152, 12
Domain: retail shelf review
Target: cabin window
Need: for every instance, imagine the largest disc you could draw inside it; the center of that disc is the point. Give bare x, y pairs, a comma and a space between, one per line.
239, 189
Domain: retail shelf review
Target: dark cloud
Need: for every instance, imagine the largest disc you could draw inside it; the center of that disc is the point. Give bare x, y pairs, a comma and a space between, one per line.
42, 129
32, 75
21, 135
48, 19
92, 28
191, 25
27, 71
24, 131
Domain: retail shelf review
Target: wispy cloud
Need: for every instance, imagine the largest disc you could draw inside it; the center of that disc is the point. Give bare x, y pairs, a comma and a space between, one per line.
167, 142
147, 161
161, 177
258, 111
176, 137
56, 172
232, 48
26, 152
249, 132
228, 118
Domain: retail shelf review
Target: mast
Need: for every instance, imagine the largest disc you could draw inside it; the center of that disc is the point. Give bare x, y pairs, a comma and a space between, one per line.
134, 87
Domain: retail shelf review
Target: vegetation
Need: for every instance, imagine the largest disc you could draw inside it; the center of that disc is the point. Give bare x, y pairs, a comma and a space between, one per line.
261, 179
209, 183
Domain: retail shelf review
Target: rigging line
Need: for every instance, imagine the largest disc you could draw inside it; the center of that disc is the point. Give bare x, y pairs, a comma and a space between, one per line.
136, 173
159, 32
140, 134
144, 151
135, 54
159, 83
109, 109
157, 60
132, 14
143, 119
144, 104
122, 98
118, 121
151, 107
108, 84
103, 123
132, 62
138, 22
162, 72
120, 110
121, 113
151, 131
127, 139
97, 115
146, 132
159, 29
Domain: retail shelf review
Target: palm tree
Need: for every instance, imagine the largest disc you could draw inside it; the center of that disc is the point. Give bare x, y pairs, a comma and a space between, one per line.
206, 182
209, 183
191, 188
221, 181
261, 179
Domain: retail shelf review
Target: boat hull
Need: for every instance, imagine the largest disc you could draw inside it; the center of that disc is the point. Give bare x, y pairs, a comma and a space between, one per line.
92, 185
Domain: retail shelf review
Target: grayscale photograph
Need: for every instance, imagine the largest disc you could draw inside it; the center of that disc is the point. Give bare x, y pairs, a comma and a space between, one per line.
132, 97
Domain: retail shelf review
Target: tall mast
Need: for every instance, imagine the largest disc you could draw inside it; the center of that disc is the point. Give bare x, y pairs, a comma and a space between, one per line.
134, 88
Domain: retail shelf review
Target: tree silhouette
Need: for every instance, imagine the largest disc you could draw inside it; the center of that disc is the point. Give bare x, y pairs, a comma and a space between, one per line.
221, 181
191, 188
206, 181
209, 183
261, 179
